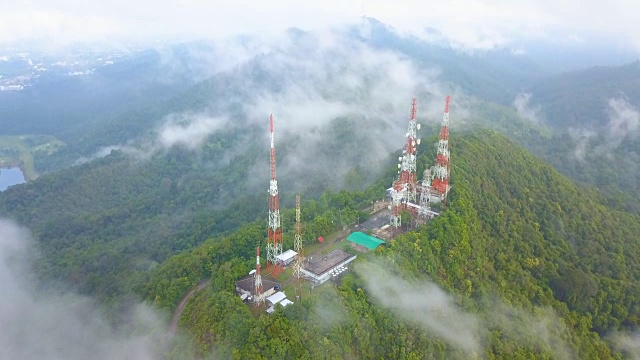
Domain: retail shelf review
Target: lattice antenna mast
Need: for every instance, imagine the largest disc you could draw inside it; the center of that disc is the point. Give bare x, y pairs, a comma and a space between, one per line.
297, 269
409, 159
397, 193
406, 186
440, 183
274, 243
425, 194
258, 293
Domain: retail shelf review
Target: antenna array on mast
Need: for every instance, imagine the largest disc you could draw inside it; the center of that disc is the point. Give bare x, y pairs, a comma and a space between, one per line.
274, 242
405, 188
440, 184
258, 293
297, 267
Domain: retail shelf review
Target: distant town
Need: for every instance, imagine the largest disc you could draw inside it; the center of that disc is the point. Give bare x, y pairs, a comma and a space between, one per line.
20, 70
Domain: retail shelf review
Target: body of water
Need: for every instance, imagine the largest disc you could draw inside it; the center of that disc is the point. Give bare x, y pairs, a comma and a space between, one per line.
10, 176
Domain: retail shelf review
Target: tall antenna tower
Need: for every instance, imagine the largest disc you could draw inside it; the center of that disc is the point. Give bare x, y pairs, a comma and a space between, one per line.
274, 243
397, 193
410, 155
425, 194
440, 184
297, 268
406, 186
258, 293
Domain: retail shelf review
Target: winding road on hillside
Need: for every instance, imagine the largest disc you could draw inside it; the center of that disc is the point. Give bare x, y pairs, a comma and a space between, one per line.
177, 314
183, 303
204, 283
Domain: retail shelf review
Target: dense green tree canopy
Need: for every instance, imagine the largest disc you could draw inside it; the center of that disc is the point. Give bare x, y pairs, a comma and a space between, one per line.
515, 233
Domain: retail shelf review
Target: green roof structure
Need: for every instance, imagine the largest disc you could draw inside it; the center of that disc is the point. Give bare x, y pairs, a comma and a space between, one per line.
365, 240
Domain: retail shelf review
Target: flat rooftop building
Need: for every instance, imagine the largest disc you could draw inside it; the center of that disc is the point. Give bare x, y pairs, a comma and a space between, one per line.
320, 269
244, 286
376, 221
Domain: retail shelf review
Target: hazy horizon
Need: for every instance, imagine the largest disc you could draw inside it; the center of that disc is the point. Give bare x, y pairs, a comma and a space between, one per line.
464, 24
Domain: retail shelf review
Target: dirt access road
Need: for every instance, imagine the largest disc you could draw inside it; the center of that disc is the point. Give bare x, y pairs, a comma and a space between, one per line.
185, 299
183, 303
203, 284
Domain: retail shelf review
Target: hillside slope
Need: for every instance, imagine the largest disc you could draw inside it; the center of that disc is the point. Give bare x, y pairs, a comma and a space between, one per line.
588, 253
580, 98
537, 265
596, 120
122, 214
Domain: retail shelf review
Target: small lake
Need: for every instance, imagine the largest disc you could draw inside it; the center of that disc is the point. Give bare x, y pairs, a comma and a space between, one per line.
10, 176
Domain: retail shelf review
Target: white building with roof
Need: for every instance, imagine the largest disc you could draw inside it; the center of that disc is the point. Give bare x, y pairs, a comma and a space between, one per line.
277, 298
285, 302
287, 257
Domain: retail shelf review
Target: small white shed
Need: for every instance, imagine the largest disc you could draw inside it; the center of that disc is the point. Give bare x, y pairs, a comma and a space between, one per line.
287, 257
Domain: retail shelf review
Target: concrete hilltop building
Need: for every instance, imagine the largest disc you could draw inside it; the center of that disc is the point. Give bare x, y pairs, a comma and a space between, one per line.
245, 286
319, 270
286, 257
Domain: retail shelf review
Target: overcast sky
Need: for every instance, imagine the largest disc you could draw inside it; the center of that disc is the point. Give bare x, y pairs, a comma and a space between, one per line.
468, 23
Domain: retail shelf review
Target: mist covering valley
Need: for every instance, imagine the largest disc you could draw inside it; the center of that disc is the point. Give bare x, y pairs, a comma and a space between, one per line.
148, 170
62, 325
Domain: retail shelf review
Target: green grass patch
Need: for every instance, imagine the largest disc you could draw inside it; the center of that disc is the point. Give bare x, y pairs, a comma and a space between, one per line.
18, 150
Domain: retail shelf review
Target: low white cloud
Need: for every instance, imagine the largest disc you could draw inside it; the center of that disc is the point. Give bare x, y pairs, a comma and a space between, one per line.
437, 312
426, 305
352, 113
540, 330
55, 325
581, 137
623, 124
624, 121
365, 90
521, 103
203, 59
100, 153
628, 343
187, 130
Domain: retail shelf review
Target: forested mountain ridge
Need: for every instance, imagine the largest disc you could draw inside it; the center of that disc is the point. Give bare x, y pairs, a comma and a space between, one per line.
540, 265
580, 99
368, 70
492, 75
123, 214
539, 214
601, 159
155, 170
587, 126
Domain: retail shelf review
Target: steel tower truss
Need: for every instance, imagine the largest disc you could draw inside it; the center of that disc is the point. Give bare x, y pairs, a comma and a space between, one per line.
274, 243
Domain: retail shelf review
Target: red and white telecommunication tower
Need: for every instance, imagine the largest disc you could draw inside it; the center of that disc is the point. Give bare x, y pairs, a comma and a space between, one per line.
258, 293
274, 243
424, 211
297, 267
440, 184
405, 188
